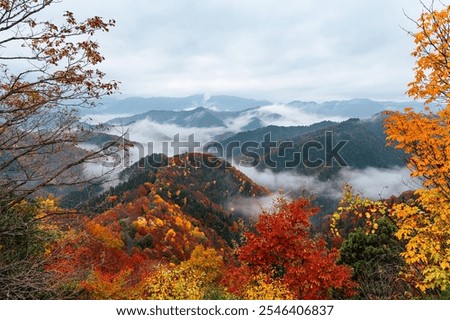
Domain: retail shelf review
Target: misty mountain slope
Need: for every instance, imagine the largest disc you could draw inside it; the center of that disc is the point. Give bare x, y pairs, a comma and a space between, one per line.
232, 106
365, 153
59, 157
156, 124
254, 123
354, 108
296, 113
365, 146
277, 133
199, 118
201, 187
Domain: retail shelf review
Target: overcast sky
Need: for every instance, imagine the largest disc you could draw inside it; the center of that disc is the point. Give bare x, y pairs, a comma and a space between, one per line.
280, 50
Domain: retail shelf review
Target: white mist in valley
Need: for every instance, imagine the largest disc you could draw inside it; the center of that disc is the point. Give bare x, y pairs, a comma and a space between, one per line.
374, 183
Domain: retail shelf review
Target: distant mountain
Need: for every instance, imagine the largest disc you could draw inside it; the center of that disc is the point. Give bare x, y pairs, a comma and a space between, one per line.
292, 114
233, 121
355, 108
255, 123
365, 146
199, 118
136, 105
277, 134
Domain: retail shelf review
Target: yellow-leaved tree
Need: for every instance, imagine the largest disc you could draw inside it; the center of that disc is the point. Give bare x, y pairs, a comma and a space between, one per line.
194, 279
425, 137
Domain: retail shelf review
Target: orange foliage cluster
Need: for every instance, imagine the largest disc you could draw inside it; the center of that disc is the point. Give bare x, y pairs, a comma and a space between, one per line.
114, 253
284, 251
138, 249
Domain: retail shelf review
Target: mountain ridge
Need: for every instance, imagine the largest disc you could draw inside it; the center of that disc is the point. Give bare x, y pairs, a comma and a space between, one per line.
114, 105
258, 116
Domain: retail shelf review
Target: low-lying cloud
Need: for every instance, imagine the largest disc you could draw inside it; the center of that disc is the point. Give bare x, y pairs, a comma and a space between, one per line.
374, 183
153, 137
279, 115
146, 130
252, 206
290, 182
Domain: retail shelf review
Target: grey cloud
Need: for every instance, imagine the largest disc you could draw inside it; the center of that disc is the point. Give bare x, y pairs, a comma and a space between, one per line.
309, 50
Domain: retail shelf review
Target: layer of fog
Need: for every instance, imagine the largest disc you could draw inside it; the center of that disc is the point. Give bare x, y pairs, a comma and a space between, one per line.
104, 170
147, 137
377, 183
253, 206
278, 115
152, 137
374, 183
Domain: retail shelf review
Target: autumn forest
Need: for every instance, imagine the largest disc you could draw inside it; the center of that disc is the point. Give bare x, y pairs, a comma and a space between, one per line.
167, 230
